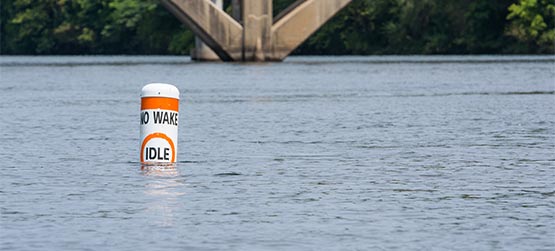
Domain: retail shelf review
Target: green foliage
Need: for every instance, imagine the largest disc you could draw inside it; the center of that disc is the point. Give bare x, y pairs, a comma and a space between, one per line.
533, 22
364, 27
89, 27
417, 27
484, 27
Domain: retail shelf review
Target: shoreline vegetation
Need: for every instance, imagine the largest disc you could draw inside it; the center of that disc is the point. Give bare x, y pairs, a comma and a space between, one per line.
365, 27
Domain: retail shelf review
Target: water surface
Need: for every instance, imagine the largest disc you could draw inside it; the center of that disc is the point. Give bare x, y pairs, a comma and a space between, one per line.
315, 153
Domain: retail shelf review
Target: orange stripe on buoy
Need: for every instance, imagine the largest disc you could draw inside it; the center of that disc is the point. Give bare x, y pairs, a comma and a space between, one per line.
160, 103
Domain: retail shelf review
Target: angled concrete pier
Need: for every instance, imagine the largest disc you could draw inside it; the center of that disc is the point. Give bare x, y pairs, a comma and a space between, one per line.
253, 34
202, 52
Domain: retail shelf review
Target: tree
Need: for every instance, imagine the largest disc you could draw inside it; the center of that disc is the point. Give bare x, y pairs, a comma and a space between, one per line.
533, 22
90, 27
484, 29
364, 27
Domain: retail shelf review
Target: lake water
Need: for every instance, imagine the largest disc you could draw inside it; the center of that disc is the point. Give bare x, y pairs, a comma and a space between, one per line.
315, 153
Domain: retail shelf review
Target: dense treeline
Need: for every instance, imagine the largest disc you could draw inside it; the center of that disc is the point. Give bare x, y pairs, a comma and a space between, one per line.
365, 27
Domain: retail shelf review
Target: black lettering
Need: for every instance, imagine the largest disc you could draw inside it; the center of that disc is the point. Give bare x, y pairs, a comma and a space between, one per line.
152, 153
161, 117
144, 118
166, 118
172, 120
166, 154
159, 155
157, 117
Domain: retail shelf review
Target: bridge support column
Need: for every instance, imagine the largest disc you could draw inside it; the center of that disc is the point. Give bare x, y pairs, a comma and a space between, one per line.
257, 36
257, 29
202, 52
296, 24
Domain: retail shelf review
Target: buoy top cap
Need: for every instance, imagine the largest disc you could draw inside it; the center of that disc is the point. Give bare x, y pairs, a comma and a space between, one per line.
160, 90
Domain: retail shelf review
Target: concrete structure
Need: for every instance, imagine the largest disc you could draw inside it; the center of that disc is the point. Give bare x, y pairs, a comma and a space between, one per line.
253, 34
202, 52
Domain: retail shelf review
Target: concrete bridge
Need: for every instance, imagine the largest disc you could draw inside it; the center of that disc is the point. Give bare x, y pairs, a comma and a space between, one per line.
251, 33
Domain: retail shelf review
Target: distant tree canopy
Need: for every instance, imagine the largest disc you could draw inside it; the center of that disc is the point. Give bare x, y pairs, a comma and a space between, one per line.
365, 27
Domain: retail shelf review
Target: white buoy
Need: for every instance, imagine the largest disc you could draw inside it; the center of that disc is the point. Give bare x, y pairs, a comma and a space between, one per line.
159, 123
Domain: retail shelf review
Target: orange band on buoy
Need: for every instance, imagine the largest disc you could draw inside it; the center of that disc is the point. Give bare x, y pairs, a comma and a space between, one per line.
160, 103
